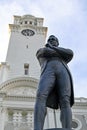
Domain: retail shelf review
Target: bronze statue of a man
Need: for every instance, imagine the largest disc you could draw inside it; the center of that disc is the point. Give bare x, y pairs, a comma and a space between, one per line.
55, 88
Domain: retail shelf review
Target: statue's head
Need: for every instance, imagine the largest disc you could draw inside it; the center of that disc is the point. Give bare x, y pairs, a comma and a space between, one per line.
53, 40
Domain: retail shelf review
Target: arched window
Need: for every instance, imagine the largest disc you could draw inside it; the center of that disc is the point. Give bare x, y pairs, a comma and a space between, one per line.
74, 124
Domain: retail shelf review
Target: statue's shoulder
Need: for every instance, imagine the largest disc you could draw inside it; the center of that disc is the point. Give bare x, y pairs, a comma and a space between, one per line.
40, 50
45, 52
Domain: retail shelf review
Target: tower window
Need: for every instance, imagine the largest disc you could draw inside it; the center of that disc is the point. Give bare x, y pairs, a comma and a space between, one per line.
30, 22
25, 22
26, 46
26, 68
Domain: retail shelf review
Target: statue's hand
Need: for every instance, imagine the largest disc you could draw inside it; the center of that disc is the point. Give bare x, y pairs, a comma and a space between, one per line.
49, 45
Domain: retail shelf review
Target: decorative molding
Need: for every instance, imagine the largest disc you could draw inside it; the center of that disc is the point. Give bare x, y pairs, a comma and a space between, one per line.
20, 81
20, 118
78, 122
19, 28
22, 88
22, 91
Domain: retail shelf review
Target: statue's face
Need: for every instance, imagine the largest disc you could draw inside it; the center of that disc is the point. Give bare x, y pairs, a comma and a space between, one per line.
53, 40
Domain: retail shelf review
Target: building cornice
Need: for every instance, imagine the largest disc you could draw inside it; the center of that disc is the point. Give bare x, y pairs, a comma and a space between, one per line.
19, 28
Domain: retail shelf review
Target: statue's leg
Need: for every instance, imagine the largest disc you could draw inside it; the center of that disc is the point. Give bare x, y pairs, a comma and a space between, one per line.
46, 84
39, 113
64, 93
66, 114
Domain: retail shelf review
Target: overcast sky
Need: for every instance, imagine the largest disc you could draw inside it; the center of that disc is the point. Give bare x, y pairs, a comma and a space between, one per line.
66, 19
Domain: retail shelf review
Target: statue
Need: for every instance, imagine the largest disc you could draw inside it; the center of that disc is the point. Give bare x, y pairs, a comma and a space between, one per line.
55, 88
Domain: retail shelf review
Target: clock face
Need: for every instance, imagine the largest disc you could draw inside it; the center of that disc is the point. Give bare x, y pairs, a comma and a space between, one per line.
27, 32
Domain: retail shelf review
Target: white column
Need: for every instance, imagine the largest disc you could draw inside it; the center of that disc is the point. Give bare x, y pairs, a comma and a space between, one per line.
2, 118
4, 71
85, 116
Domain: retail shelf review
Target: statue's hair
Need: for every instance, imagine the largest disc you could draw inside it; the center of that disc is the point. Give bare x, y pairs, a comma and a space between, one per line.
55, 39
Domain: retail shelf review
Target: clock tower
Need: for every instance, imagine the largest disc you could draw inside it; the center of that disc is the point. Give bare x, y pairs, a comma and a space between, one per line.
27, 35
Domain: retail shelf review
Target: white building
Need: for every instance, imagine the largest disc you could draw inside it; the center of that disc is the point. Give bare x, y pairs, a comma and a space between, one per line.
19, 77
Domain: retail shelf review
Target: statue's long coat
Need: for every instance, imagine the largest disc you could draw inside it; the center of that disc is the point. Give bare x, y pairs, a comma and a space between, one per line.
44, 55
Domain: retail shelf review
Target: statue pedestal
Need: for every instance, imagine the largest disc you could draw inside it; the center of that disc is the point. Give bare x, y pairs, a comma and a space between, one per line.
58, 129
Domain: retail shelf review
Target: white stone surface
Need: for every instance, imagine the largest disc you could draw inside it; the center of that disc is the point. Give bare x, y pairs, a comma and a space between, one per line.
22, 49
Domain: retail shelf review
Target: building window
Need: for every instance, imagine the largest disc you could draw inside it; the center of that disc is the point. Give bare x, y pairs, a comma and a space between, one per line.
25, 22
74, 124
26, 46
30, 22
26, 68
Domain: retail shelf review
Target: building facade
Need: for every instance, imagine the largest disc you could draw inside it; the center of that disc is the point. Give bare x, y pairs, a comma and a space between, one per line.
19, 76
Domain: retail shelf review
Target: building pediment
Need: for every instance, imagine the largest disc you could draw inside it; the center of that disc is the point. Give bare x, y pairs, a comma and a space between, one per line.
22, 91
22, 86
